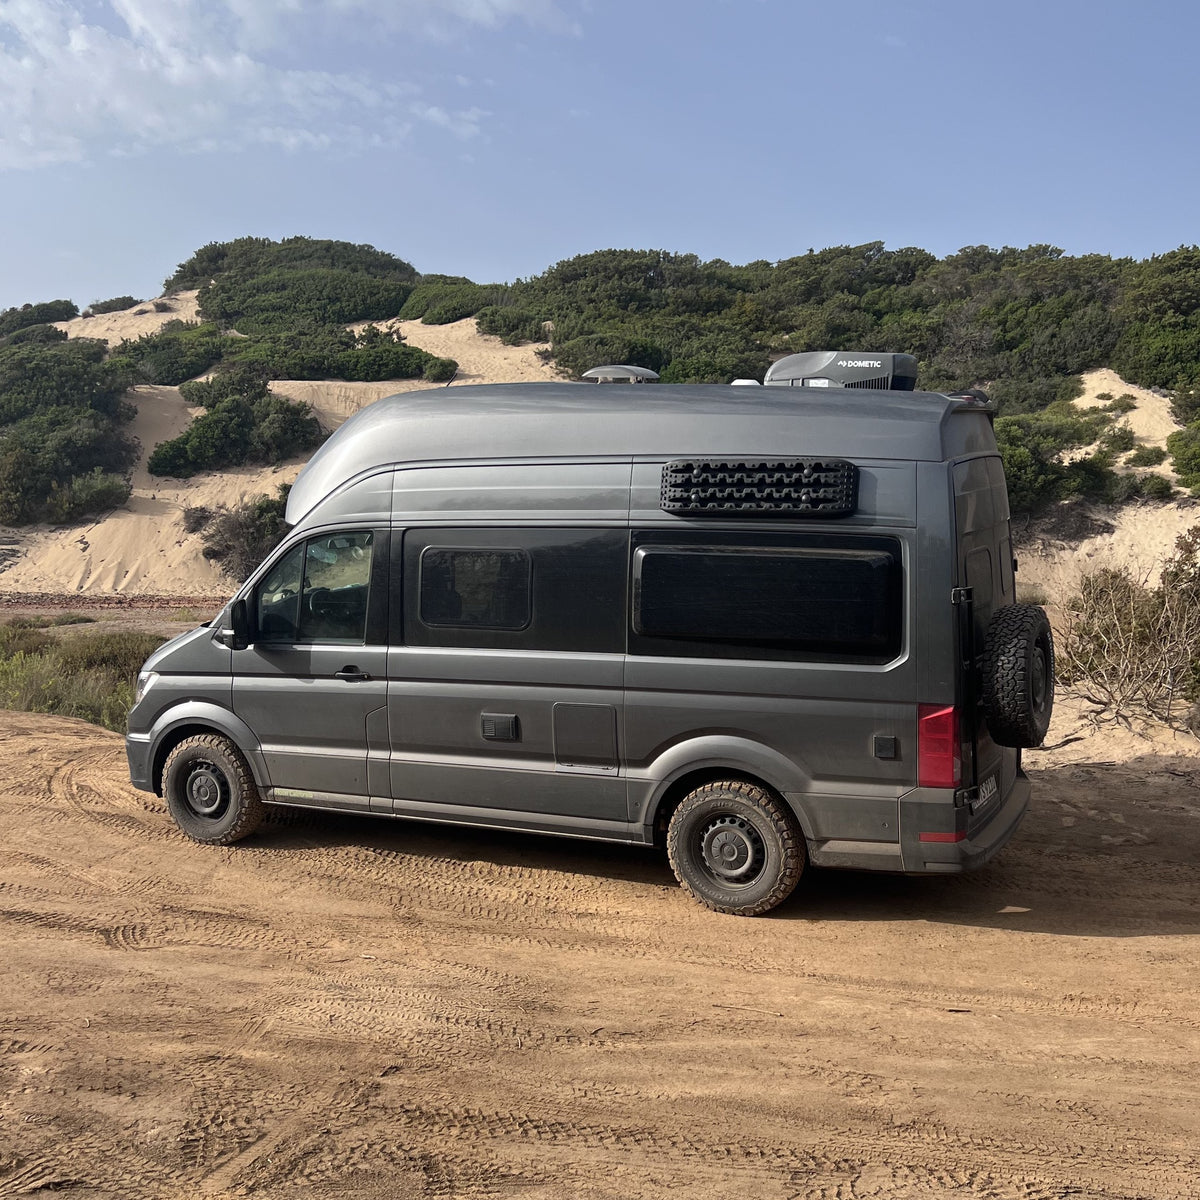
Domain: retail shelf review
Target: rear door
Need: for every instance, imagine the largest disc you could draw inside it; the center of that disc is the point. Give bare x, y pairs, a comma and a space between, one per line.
985, 567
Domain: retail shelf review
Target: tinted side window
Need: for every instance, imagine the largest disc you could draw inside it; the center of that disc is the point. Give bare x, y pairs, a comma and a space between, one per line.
491, 589
318, 591
529, 589
811, 597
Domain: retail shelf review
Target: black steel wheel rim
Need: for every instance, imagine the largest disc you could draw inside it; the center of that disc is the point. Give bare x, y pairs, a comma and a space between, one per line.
1038, 679
206, 791
731, 851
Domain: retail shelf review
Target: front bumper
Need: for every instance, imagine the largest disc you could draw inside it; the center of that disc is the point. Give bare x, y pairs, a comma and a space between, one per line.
137, 751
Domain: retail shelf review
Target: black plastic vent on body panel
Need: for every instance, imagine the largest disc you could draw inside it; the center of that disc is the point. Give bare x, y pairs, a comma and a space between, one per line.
787, 487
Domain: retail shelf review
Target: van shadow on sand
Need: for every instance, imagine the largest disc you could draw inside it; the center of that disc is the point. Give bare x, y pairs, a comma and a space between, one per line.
1106, 850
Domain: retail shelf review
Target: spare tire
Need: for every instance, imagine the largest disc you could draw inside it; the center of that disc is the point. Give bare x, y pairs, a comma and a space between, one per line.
1018, 675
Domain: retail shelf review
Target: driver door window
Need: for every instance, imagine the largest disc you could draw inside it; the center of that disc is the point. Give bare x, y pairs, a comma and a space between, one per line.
317, 592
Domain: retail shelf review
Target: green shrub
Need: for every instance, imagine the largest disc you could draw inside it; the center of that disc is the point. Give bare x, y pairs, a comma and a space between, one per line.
246, 381
1124, 403
63, 446
238, 539
121, 653
12, 319
1184, 447
90, 676
22, 639
34, 335
1146, 456
1119, 440
441, 299
88, 494
116, 304
440, 370
236, 431
1155, 487
179, 351
251, 256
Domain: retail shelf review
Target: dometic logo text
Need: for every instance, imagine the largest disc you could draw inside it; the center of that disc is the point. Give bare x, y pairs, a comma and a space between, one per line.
860, 362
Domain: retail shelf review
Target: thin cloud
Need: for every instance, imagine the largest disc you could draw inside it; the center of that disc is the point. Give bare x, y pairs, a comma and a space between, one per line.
126, 77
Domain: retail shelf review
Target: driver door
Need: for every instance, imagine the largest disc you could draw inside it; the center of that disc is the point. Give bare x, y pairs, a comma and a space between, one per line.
316, 672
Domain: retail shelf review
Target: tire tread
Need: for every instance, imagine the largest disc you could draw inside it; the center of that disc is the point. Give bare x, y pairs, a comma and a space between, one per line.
785, 827
251, 808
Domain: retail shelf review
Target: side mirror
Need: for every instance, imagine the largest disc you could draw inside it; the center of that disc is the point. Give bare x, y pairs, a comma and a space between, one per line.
237, 634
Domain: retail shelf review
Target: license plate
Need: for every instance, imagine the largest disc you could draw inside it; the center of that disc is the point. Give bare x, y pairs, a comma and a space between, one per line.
987, 793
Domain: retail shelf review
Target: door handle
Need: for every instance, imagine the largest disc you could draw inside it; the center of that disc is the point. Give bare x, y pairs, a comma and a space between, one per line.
351, 675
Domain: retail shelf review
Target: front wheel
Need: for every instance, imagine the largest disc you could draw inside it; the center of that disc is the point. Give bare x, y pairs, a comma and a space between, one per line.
735, 847
210, 791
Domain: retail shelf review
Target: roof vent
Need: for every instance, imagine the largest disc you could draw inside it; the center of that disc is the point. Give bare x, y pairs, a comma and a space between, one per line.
620, 373
845, 369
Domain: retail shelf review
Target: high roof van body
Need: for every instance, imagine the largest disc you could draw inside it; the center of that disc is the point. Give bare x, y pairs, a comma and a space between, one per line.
768, 627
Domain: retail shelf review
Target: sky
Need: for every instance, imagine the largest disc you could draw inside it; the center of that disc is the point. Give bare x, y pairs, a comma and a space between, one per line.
493, 138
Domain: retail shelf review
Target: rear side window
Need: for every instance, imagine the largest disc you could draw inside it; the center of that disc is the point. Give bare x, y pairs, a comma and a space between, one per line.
833, 598
484, 589
513, 589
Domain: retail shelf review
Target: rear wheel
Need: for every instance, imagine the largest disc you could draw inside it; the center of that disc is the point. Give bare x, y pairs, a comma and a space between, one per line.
735, 847
210, 791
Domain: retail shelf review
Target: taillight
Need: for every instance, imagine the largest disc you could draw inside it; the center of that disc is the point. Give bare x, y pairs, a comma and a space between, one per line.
939, 757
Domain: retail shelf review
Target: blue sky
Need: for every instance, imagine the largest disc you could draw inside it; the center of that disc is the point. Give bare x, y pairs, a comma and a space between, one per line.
492, 138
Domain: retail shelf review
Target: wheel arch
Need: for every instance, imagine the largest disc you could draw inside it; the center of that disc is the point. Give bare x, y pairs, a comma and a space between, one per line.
700, 760
196, 719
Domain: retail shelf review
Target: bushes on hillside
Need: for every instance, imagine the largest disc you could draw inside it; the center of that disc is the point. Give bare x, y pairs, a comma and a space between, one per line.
255, 284
278, 299
12, 319
179, 351
251, 256
64, 451
1132, 649
1184, 447
310, 351
238, 539
116, 304
441, 299
34, 335
244, 423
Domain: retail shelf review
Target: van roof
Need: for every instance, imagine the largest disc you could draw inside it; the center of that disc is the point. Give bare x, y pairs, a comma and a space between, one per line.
570, 420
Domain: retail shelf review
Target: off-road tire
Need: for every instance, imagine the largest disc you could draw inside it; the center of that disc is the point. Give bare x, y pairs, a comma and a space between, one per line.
210, 791
731, 826
1018, 675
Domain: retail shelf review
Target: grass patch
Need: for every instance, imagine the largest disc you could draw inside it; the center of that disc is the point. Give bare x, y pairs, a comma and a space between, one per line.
59, 619
90, 676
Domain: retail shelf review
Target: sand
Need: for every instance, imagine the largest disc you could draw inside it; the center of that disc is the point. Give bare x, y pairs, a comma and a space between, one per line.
346, 1007
133, 322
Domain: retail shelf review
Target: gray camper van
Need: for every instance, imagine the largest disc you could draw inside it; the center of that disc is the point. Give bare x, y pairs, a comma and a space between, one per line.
765, 626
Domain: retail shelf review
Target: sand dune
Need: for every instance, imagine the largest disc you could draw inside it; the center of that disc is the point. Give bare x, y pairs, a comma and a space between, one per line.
133, 322
141, 548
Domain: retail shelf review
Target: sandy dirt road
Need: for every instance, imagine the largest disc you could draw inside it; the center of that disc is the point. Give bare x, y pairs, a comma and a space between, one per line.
340, 1007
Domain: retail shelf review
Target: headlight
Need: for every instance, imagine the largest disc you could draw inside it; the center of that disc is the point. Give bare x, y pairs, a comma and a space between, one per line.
145, 681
